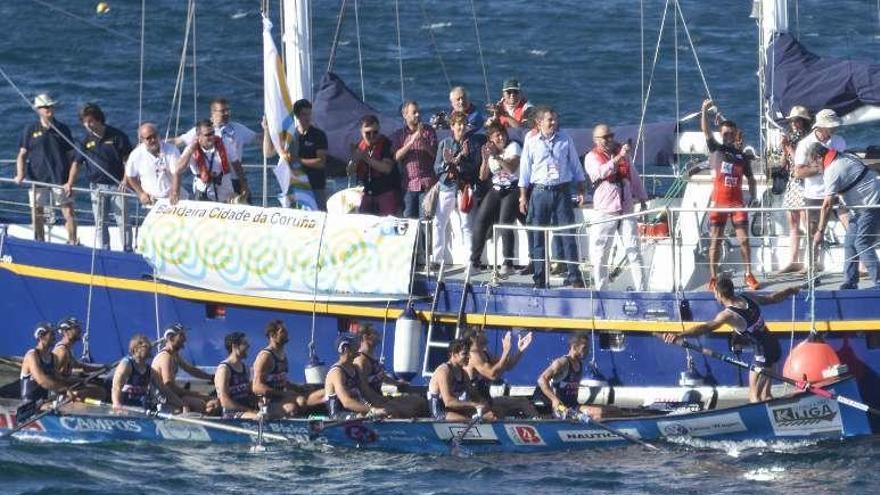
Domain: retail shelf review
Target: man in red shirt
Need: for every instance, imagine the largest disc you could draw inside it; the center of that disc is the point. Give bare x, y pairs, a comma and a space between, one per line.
729, 165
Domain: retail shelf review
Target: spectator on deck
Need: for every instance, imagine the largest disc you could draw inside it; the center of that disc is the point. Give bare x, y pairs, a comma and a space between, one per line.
729, 165
415, 149
209, 163
849, 179
824, 129
551, 167
105, 150
510, 111
46, 154
458, 100
235, 137
500, 162
151, 165
616, 187
799, 121
373, 162
456, 166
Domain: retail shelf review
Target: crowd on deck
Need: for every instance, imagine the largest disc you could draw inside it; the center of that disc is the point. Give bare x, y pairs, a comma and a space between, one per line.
477, 174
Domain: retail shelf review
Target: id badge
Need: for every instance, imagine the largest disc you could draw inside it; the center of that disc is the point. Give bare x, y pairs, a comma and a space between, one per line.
553, 172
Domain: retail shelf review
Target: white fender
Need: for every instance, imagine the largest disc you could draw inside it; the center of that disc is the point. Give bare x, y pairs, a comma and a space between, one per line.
407, 346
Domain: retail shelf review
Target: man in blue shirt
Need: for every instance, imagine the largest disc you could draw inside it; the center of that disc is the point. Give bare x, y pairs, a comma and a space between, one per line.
106, 150
46, 155
550, 167
459, 101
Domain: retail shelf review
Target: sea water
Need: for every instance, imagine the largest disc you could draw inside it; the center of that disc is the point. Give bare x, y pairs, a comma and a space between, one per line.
582, 56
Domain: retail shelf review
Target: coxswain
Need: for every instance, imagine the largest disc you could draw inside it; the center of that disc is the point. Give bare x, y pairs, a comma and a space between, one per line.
451, 397
270, 376
743, 314
39, 374
342, 387
483, 368
134, 379
373, 374
169, 360
71, 332
233, 382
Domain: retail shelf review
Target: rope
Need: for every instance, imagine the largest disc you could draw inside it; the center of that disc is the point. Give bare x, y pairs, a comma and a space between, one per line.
677, 99
156, 301
480, 50
141, 76
55, 128
384, 325
642, 60
791, 339
315, 290
693, 50
434, 45
195, 64
339, 17
399, 50
650, 83
357, 28
92, 276
178, 84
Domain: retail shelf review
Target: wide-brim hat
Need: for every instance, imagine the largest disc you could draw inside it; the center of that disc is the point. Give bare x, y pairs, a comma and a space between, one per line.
44, 100
798, 111
827, 119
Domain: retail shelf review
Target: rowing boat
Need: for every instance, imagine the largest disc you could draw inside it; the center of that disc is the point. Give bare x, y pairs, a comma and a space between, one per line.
798, 417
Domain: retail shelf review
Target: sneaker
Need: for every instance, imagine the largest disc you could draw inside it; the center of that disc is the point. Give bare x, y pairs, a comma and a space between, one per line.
527, 270
848, 286
557, 268
751, 282
791, 268
712, 282
505, 270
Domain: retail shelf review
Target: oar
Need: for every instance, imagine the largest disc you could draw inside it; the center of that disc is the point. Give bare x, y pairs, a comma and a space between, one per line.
319, 426
589, 421
216, 425
455, 444
800, 384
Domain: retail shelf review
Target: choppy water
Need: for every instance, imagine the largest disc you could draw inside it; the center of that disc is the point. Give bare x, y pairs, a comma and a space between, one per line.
581, 56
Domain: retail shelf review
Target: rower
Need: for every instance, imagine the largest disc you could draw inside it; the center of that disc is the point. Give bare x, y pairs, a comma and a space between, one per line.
71, 333
39, 374
373, 374
342, 387
270, 376
233, 382
168, 361
743, 313
561, 380
451, 397
134, 380
483, 368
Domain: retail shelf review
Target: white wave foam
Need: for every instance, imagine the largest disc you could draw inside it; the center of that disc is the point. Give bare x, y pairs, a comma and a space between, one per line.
437, 25
764, 474
538, 53
239, 14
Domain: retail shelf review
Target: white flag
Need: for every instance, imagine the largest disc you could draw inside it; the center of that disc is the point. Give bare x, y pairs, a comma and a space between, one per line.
295, 189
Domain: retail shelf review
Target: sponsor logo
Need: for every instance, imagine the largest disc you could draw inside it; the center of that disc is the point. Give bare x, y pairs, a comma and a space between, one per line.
575, 436
477, 433
524, 435
805, 417
360, 433
173, 430
701, 427
74, 423
7, 422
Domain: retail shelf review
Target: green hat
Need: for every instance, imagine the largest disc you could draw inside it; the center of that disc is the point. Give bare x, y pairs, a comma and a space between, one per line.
510, 84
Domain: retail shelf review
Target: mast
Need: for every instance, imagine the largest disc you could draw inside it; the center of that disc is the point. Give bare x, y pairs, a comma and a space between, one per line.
297, 39
772, 18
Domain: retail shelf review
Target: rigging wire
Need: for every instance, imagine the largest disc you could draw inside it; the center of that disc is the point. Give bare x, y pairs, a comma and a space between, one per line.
357, 28
642, 60
141, 76
332, 58
428, 25
176, 96
651, 83
194, 65
399, 50
687, 33
677, 99
480, 50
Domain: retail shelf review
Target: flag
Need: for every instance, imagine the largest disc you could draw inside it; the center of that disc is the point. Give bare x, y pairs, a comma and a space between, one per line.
293, 181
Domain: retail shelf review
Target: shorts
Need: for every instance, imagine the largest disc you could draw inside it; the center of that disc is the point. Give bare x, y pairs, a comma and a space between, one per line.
767, 349
436, 406
49, 196
719, 218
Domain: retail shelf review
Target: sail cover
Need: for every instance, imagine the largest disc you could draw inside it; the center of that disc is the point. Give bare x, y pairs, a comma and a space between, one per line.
801, 77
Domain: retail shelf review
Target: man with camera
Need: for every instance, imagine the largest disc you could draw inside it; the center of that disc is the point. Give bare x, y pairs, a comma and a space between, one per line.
616, 186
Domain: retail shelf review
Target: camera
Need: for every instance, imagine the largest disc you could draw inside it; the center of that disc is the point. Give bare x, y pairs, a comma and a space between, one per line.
440, 121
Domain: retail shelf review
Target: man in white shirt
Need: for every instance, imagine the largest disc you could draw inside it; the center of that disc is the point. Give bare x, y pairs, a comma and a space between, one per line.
812, 173
150, 166
235, 137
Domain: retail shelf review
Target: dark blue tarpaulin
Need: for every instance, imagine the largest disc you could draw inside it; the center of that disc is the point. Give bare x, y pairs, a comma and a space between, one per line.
800, 77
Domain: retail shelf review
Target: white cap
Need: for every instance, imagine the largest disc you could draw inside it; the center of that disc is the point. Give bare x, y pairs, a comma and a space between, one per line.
827, 119
44, 100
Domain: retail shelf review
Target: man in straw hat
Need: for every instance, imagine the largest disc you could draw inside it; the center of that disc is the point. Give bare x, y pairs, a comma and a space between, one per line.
46, 155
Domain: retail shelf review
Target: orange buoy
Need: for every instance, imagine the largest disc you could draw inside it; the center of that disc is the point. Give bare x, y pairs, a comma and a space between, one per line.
808, 360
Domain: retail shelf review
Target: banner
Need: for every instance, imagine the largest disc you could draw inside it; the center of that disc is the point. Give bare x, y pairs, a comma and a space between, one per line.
296, 191
277, 252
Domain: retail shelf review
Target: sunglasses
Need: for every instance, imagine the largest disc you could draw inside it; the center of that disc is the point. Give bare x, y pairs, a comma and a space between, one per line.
370, 133
512, 91
606, 137
150, 137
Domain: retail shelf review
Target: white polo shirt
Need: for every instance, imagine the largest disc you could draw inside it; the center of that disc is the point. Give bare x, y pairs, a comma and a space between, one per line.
814, 186
153, 171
